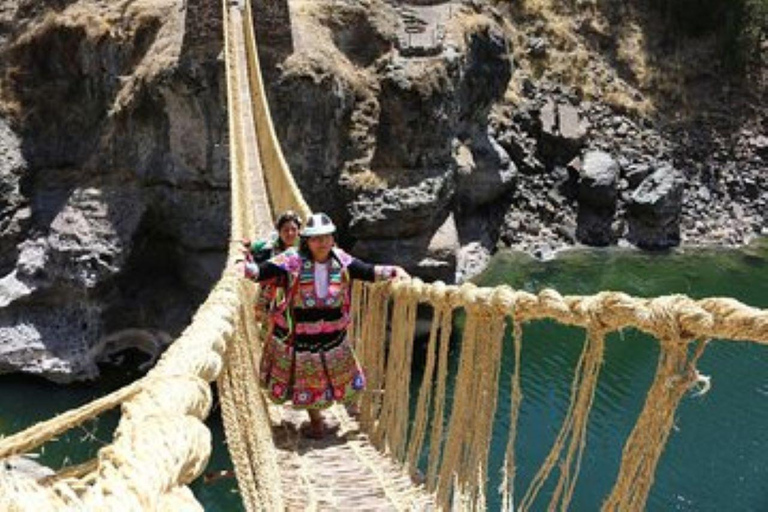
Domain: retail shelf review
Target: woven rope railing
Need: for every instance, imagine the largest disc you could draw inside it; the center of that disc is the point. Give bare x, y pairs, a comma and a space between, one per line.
284, 194
244, 413
161, 445
457, 461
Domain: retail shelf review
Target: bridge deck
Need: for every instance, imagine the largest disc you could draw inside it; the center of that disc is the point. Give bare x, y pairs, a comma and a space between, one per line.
343, 471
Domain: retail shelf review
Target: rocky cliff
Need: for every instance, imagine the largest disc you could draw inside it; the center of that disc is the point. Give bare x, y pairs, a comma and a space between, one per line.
433, 131
392, 104
113, 170
438, 131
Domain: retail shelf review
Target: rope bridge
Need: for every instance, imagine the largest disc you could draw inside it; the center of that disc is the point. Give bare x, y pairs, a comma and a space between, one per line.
161, 444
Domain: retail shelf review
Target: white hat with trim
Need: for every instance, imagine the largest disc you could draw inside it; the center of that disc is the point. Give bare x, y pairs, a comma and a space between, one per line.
318, 224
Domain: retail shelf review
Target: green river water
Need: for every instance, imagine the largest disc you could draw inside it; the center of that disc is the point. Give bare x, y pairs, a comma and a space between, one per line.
716, 458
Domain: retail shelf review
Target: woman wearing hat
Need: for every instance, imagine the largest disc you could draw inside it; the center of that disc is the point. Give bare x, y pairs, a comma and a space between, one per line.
307, 358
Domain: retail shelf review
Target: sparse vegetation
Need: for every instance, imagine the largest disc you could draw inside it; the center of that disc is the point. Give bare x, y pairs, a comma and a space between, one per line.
642, 55
365, 180
570, 33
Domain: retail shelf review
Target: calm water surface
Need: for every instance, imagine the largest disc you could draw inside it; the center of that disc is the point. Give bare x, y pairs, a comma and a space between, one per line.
716, 458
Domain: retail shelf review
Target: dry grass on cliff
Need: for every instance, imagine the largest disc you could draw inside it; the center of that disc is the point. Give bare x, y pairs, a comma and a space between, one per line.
137, 39
365, 180
467, 23
316, 54
574, 32
621, 53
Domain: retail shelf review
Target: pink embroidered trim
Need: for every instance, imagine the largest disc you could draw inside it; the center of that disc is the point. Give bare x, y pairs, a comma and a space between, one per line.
289, 261
316, 327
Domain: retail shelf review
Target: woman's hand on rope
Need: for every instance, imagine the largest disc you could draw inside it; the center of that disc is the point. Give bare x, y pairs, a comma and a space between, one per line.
391, 273
400, 274
247, 269
244, 265
246, 249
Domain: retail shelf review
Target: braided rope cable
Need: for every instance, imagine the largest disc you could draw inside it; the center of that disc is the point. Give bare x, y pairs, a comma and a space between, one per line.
283, 191
391, 432
491, 337
375, 309
244, 412
574, 427
438, 414
419, 427
29, 439
458, 428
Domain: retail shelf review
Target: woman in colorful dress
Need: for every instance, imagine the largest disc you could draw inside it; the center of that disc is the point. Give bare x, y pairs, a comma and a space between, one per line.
286, 236
308, 358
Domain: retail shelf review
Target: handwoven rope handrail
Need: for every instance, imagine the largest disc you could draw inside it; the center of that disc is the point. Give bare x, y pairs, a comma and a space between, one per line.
456, 466
160, 443
284, 194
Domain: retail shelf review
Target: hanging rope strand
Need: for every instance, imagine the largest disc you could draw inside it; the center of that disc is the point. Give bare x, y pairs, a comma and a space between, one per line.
515, 399
425, 395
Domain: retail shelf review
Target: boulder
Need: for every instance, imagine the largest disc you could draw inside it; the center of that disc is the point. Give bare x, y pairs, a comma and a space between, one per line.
471, 260
635, 173
431, 256
485, 171
51, 340
563, 132
404, 211
597, 196
653, 212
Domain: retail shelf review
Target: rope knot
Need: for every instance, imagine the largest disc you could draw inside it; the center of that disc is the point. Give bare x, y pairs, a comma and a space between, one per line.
593, 308
676, 317
554, 303
436, 293
452, 297
502, 299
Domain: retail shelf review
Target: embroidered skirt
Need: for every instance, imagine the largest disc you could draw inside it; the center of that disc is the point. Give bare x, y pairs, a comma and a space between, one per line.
311, 377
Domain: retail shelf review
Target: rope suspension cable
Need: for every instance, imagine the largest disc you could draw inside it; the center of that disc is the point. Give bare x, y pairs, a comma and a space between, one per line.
456, 463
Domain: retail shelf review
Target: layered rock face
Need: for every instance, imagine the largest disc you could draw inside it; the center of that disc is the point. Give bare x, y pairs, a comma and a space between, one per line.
399, 122
113, 175
384, 113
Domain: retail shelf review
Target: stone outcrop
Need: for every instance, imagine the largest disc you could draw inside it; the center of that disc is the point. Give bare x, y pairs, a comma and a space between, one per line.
653, 211
114, 178
563, 132
14, 210
398, 144
597, 195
